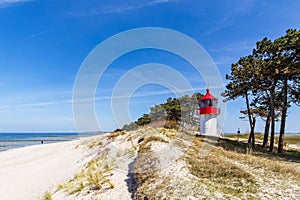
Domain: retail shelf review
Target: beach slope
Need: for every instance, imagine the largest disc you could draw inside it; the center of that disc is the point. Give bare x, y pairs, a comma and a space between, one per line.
26, 173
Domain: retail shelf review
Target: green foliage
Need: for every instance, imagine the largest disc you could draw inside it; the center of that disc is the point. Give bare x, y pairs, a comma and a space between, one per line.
189, 106
144, 120
269, 80
117, 130
174, 112
130, 127
173, 109
158, 113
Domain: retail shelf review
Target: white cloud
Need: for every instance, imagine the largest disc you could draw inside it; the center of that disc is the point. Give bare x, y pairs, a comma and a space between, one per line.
37, 104
119, 7
39, 33
154, 2
135, 7
6, 3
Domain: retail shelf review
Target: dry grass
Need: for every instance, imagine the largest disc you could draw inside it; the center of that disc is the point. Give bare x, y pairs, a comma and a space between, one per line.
281, 164
154, 139
113, 135
170, 133
292, 139
219, 173
145, 168
288, 138
95, 142
96, 176
144, 174
228, 171
130, 151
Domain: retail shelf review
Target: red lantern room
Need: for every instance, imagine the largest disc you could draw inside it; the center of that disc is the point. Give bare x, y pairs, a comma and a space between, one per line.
208, 104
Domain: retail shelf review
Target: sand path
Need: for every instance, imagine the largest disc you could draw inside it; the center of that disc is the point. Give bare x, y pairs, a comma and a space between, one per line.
26, 173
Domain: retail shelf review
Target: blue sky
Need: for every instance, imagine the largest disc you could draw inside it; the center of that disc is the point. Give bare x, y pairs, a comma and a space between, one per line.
44, 42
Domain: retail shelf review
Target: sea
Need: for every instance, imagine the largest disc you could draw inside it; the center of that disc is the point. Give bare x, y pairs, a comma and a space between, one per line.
16, 140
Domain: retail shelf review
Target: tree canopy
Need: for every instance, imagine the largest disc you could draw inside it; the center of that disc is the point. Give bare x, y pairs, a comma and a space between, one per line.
175, 112
268, 79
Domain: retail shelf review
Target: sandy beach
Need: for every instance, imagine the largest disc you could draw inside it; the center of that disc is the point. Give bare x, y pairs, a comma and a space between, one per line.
26, 173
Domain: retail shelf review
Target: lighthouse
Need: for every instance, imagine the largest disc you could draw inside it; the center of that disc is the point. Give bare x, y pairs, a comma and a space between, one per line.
208, 114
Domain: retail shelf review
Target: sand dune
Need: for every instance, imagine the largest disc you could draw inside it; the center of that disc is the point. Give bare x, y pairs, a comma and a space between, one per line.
146, 163
26, 173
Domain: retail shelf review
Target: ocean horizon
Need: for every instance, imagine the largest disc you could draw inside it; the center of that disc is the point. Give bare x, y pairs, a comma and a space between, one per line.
17, 140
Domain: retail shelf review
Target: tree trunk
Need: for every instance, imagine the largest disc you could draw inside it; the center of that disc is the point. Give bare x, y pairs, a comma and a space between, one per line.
267, 130
252, 131
272, 131
272, 110
251, 136
283, 115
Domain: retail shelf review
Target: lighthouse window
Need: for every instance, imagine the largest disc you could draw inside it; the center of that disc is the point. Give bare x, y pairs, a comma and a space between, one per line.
201, 104
205, 103
214, 102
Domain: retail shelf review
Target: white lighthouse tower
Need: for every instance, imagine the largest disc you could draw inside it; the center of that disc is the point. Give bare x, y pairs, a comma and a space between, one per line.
208, 114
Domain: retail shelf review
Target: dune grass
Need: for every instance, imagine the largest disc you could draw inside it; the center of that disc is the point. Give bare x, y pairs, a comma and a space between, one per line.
47, 196
229, 170
219, 173
95, 142
95, 176
145, 167
113, 135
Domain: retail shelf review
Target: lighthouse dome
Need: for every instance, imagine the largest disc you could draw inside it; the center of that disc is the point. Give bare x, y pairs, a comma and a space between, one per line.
208, 96
208, 104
